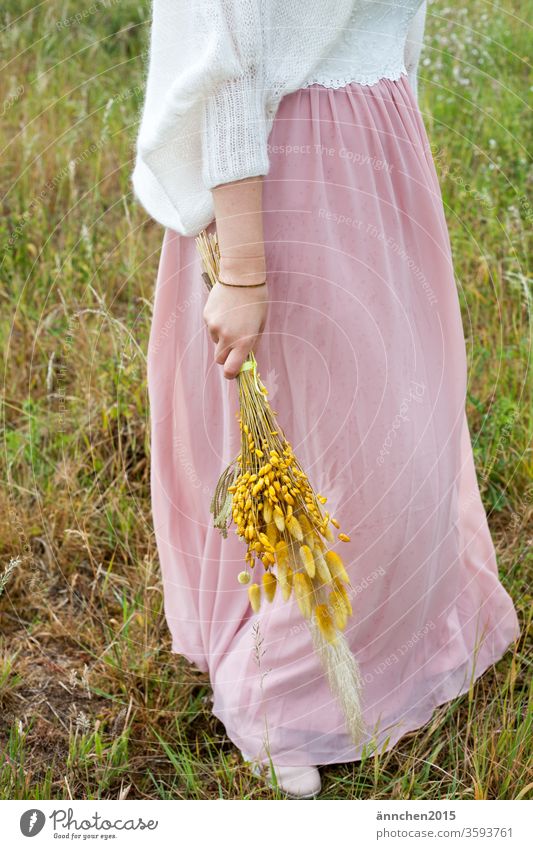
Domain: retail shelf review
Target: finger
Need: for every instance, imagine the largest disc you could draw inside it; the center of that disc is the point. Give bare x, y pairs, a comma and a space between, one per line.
221, 351
234, 361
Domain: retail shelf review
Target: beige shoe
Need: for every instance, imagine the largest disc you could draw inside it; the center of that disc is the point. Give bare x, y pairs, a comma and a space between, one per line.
299, 782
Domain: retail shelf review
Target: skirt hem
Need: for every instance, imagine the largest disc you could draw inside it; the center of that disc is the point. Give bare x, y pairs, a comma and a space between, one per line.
425, 715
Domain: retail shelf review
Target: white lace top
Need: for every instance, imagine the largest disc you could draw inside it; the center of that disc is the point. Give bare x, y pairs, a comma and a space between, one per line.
372, 45
218, 70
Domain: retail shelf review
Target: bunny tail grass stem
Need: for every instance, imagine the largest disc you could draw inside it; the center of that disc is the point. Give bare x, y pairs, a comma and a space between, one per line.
344, 678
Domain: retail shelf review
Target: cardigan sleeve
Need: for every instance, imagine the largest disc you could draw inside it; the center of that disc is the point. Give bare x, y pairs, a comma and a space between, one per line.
217, 70
234, 137
413, 45
203, 121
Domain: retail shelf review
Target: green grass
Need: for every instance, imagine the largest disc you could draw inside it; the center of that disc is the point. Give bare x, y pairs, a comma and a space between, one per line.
93, 702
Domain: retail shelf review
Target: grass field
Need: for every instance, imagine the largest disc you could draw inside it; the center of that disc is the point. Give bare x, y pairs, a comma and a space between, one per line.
92, 702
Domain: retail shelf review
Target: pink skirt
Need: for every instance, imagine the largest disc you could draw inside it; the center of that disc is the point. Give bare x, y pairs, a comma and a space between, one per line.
364, 358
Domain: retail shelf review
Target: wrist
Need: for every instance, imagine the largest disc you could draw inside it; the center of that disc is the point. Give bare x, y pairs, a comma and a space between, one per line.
242, 270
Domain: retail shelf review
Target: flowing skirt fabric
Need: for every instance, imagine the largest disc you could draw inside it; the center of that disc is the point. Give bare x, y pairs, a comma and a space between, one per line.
364, 358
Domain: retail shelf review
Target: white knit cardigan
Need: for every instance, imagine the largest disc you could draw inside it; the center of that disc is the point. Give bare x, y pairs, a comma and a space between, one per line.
217, 72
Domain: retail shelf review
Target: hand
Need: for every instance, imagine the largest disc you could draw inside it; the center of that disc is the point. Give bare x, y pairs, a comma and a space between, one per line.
235, 317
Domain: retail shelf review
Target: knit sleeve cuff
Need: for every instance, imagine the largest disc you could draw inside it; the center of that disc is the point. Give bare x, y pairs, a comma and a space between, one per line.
235, 132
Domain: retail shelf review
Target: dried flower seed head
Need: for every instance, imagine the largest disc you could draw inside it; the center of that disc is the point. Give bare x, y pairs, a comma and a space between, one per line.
272, 534
282, 554
341, 589
326, 532
269, 585
325, 622
294, 528
321, 566
266, 542
339, 609
306, 556
303, 591
305, 524
336, 566
285, 582
254, 594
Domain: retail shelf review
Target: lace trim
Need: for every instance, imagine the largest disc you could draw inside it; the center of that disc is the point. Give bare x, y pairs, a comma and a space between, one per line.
360, 79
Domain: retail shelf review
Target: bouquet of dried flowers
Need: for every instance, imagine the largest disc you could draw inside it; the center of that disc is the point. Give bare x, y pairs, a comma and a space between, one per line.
279, 517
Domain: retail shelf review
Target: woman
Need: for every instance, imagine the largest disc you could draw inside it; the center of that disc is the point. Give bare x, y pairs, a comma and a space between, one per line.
294, 130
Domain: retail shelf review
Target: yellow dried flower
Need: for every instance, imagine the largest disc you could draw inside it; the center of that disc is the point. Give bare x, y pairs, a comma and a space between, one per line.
325, 622
327, 533
269, 585
340, 588
281, 552
321, 566
254, 594
339, 608
336, 566
344, 537
294, 528
272, 534
266, 542
285, 578
243, 577
303, 591
306, 556
305, 524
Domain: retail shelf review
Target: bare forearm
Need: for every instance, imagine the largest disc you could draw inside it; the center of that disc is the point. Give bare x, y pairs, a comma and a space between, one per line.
239, 224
